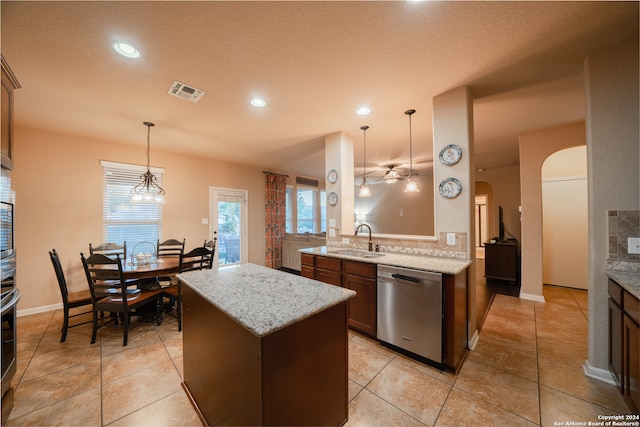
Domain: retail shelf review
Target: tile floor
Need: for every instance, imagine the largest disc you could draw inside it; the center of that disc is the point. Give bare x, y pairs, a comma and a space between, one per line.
526, 370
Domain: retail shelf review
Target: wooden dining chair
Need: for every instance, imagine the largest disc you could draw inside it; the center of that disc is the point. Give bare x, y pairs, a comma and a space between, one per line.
69, 299
170, 247
110, 249
101, 269
196, 259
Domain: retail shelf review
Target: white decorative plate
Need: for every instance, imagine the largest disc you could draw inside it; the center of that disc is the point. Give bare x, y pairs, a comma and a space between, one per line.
450, 188
332, 176
332, 199
450, 155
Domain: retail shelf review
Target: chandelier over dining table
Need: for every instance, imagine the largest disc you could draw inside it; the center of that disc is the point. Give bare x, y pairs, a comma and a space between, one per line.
148, 191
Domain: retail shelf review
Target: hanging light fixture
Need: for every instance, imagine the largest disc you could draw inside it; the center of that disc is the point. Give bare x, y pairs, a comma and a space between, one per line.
412, 186
147, 191
365, 189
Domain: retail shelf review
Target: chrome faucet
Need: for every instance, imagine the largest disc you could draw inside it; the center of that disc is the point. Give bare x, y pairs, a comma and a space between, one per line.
370, 241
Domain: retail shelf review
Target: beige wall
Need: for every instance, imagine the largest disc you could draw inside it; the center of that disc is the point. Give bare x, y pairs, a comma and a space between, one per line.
534, 150
505, 185
613, 159
58, 184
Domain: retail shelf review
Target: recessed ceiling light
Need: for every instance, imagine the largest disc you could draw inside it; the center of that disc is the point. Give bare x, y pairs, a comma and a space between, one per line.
258, 102
363, 111
125, 49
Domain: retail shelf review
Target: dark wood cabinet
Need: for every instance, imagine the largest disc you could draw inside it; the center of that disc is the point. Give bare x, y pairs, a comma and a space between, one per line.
624, 343
502, 261
9, 84
362, 278
358, 276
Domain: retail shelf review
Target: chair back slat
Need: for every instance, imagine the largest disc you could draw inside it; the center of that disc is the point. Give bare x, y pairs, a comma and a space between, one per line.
170, 247
110, 249
196, 259
62, 283
104, 275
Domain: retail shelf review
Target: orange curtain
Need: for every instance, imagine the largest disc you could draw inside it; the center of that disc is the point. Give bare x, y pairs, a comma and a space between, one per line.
275, 218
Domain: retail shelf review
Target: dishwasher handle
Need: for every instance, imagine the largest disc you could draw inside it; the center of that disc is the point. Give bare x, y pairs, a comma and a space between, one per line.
404, 277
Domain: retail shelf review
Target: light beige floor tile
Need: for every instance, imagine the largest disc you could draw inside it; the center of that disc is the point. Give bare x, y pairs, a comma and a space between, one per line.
414, 392
354, 389
575, 333
558, 407
49, 389
133, 360
499, 388
496, 333
565, 352
133, 392
504, 305
369, 410
570, 379
139, 334
561, 314
33, 325
365, 361
505, 358
173, 410
80, 410
465, 410
178, 363
173, 344
558, 295
65, 357
439, 374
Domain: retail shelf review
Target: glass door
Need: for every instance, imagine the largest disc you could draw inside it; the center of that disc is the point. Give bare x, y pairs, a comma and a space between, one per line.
229, 222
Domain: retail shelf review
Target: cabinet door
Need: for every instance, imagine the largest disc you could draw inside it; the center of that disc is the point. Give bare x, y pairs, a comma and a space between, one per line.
362, 307
307, 271
329, 276
615, 342
631, 368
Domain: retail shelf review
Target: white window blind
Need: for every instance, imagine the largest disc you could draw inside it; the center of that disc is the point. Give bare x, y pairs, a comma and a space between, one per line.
122, 220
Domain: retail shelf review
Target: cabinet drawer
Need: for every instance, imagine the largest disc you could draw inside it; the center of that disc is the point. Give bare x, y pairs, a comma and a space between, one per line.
615, 292
329, 276
328, 263
365, 269
631, 307
307, 259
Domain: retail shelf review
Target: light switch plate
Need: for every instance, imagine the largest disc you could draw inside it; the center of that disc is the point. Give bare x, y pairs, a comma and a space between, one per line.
451, 238
633, 243
205, 221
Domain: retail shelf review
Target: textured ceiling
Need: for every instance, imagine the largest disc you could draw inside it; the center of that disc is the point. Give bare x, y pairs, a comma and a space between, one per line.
314, 63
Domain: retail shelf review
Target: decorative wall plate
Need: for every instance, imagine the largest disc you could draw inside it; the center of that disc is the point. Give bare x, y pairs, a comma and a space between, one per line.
450, 155
332, 199
332, 176
450, 188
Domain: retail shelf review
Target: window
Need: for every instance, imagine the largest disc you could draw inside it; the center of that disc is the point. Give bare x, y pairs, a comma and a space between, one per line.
123, 220
306, 210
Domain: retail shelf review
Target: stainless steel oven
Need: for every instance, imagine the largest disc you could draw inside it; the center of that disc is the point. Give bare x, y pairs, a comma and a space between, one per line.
8, 309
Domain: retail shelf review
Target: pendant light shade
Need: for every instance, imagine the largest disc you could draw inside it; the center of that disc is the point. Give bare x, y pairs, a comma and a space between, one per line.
365, 188
147, 191
412, 186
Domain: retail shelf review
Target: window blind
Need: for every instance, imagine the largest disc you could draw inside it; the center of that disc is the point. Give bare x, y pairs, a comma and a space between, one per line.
138, 224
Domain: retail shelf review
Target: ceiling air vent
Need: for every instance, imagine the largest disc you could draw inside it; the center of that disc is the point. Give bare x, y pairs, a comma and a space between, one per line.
183, 91
306, 181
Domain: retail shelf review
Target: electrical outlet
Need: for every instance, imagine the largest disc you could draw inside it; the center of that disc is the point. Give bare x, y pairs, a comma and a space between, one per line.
451, 238
633, 243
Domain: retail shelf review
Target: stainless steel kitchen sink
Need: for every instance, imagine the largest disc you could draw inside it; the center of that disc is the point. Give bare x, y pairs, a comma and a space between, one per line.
357, 253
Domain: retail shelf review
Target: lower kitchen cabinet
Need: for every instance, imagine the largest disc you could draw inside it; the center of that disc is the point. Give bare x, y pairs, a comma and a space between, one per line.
358, 276
624, 343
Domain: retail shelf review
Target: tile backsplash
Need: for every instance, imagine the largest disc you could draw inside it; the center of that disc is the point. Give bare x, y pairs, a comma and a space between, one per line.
622, 225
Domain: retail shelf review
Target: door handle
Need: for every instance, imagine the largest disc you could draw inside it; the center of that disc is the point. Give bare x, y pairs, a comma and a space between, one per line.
407, 278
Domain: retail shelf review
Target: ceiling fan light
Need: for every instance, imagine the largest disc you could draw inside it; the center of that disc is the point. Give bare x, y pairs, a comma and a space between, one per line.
390, 180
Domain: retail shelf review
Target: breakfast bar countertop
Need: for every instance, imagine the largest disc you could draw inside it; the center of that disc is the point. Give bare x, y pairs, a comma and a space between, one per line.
439, 265
261, 299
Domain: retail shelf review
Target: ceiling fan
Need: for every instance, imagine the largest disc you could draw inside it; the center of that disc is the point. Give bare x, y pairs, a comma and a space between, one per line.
390, 173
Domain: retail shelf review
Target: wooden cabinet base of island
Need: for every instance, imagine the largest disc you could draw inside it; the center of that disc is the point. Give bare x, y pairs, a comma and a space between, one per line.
294, 376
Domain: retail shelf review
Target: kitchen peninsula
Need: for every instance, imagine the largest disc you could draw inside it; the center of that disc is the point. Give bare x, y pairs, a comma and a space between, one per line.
264, 347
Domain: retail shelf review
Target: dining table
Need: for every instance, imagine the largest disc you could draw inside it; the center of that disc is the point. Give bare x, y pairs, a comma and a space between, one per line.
159, 267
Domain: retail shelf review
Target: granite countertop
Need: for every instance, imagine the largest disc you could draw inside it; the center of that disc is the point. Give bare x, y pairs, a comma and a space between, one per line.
261, 299
435, 264
629, 280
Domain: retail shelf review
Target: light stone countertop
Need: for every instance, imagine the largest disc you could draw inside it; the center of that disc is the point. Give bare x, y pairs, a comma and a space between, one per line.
261, 299
435, 264
629, 280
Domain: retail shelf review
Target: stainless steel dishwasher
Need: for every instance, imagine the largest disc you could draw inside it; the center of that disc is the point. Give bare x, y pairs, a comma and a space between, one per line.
410, 310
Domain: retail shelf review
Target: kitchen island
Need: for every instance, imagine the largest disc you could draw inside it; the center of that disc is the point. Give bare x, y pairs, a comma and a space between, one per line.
264, 347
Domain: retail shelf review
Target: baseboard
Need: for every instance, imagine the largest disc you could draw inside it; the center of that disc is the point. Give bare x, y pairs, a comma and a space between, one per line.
599, 374
531, 297
474, 340
41, 309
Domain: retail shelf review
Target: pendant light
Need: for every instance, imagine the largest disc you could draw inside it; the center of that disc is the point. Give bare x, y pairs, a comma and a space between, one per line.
365, 189
147, 191
412, 186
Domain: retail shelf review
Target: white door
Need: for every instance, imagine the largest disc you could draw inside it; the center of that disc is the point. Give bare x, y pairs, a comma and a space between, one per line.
229, 223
